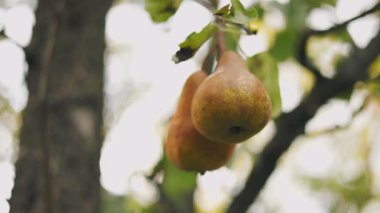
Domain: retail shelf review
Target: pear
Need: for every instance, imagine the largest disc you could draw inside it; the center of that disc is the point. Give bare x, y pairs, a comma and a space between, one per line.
231, 105
185, 146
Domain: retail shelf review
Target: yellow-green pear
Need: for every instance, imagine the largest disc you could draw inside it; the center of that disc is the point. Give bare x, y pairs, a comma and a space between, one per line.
231, 105
185, 147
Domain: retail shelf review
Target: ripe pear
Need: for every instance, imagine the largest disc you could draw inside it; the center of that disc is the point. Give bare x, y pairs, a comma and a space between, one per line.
231, 105
185, 146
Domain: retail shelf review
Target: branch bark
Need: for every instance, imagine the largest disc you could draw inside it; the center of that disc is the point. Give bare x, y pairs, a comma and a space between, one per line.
291, 125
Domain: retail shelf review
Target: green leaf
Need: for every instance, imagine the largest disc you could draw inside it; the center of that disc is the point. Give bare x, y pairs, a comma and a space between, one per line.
373, 84
313, 3
264, 66
356, 191
177, 184
374, 69
238, 8
346, 94
161, 10
224, 11
284, 44
373, 87
232, 41
256, 11
193, 42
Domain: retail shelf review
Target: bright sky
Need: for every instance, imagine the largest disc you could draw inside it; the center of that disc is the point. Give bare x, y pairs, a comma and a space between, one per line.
140, 54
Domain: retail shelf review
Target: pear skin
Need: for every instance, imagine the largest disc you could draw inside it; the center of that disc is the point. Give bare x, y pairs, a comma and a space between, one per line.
185, 146
231, 105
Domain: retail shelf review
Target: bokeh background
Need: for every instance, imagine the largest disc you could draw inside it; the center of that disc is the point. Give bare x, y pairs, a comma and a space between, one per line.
334, 167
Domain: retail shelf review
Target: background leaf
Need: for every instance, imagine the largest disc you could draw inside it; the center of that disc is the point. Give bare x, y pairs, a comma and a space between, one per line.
264, 66
284, 45
238, 8
161, 10
178, 185
232, 40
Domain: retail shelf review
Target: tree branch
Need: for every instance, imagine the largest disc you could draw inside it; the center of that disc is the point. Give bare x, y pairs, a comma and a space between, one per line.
345, 23
302, 56
291, 125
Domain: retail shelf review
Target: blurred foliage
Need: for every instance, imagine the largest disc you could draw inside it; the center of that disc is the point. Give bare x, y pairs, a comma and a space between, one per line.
9, 118
162, 10
345, 95
5, 106
295, 14
232, 41
264, 66
356, 190
373, 84
122, 204
373, 87
284, 44
178, 186
374, 70
176, 192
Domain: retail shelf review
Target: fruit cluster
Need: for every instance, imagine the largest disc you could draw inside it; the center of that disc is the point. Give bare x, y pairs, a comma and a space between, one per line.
215, 113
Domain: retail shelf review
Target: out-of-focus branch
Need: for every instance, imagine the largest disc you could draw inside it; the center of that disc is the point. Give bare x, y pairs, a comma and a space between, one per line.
291, 125
301, 54
345, 23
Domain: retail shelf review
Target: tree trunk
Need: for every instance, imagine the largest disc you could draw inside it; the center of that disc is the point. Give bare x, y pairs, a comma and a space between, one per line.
58, 161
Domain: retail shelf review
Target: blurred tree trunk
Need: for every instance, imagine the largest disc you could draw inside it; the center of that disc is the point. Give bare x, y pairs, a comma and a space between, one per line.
60, 140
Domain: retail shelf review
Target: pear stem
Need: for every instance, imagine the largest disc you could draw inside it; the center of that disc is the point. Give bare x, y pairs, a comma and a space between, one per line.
208, 62
221, 41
